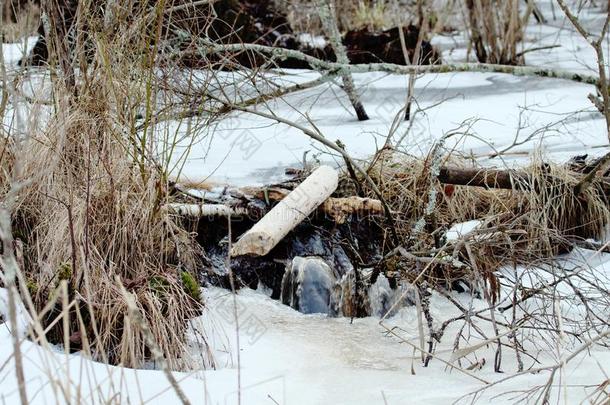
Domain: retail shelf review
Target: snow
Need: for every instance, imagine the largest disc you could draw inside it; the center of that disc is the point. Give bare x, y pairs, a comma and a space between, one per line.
489, 112
314, 41
486, 110
461, 229
14, 52
21, 314
288, 357
293, 358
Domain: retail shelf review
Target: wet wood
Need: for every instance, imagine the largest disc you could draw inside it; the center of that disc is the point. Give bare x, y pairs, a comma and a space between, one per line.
255, 202
504, 179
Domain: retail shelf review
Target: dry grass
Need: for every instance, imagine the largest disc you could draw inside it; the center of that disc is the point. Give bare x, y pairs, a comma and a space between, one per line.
90, 215
26, 22
531, 223
352, 15
374, 15
93, 216
496, 28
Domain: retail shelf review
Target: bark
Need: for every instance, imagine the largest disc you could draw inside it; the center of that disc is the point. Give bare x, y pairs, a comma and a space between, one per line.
329, 23
341, 208
487, 178
509, 179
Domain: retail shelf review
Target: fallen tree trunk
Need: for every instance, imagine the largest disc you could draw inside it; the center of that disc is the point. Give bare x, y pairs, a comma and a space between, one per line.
497, 178
204, 210
487, 178
289, 213
339, 209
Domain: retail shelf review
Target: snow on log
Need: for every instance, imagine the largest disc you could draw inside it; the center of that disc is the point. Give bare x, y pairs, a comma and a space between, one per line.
203, 210
286, 215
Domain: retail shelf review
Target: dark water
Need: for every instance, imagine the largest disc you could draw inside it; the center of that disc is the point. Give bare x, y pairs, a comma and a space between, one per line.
320, 267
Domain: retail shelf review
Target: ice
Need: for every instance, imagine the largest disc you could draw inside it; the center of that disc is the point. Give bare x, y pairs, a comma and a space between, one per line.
288, 357
295, 358
308, 285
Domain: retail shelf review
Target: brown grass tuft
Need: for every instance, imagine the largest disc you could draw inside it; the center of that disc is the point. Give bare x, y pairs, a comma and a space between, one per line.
531, 223
90, 214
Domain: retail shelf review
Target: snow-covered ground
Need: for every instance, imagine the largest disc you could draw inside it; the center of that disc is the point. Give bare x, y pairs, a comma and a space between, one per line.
290, 358
487, 109
492, 111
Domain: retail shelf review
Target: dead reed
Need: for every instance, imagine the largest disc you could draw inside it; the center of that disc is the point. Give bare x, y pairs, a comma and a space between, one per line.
90, 215
540, 217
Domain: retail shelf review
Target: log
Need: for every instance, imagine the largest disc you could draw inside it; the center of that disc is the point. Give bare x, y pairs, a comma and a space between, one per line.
203, 210
246, 201
339, 209
289, 213
501, 179
487, 178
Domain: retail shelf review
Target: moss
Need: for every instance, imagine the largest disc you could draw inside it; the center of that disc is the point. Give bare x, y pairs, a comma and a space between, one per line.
392, 266
432, 19
444, 69
18, 234
159, 285
190, 285
64, 272
32, 287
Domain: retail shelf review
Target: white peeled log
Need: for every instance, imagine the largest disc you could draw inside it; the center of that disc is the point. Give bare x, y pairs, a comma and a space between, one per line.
203, 210
289, 213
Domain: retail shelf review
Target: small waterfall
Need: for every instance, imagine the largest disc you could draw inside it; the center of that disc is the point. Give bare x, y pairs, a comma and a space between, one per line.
382, 297
310, 286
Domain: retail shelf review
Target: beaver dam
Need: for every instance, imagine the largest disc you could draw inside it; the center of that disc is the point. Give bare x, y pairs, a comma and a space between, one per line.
304, 201
345, 255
